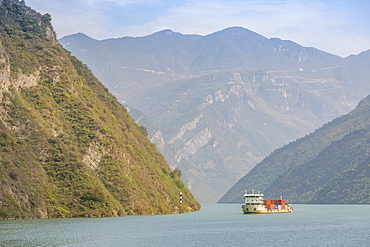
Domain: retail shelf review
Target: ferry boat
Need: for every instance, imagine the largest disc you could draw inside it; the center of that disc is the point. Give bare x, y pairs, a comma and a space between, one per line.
255, 204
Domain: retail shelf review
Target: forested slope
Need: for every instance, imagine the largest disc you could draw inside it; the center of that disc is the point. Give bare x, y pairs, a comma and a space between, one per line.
220, 103
67, 147
330, 165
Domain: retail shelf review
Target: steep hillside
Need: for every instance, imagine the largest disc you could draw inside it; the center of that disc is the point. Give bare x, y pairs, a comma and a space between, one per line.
351, 186
218, 104
327, 166
67, 147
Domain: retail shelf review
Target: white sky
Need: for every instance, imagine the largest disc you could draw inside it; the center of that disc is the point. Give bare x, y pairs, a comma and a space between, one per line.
341, 27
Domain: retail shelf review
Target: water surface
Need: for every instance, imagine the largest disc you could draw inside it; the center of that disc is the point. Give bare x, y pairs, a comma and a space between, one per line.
214, 225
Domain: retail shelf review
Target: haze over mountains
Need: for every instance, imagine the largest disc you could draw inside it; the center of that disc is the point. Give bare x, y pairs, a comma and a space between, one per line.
216, 105
331, 165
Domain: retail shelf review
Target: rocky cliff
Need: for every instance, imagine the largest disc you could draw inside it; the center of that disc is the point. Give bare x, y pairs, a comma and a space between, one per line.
67, 147
218, 104
331, 165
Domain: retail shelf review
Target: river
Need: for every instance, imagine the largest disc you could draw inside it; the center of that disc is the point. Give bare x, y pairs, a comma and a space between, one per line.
213, 225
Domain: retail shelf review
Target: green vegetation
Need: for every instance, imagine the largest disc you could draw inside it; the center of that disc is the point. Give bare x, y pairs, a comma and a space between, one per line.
230, 97
351, 186
330, 165
67, 147
307, 183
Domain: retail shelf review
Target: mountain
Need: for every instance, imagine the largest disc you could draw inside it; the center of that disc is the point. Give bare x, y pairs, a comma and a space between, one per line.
68, 148
331, 165
218, 104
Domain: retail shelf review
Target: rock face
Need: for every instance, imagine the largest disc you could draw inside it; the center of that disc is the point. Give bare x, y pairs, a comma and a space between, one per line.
67, 147
331, 165
218, 104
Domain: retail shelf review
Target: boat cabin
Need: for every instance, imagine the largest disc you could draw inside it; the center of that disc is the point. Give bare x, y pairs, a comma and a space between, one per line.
253, 198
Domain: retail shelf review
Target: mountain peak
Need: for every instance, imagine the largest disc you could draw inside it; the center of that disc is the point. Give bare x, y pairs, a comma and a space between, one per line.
78, 36
236, 29
361, 58
237, 32
253, 93
165, 32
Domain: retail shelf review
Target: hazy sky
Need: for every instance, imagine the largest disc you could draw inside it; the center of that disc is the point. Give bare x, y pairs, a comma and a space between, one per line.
341, 27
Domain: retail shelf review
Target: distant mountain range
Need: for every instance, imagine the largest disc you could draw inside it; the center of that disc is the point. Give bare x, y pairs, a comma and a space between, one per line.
216, 105
331, 165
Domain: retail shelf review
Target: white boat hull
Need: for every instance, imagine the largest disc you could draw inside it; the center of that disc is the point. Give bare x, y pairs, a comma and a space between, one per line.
261, 209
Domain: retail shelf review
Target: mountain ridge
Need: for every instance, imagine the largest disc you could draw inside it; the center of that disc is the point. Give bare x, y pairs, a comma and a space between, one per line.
305, 168
220, 104
67, 147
